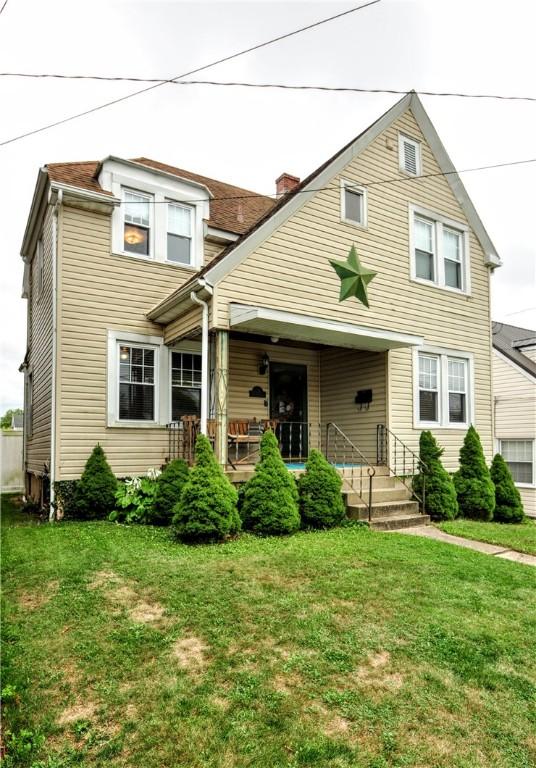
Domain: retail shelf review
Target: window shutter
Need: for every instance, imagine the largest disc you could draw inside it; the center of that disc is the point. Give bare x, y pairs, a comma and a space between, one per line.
410, 157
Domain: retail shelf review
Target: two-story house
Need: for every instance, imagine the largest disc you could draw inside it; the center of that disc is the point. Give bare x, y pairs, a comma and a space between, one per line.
156, 294
514, 390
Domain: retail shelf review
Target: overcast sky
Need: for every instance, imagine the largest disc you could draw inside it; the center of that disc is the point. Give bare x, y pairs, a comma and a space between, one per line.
249, 137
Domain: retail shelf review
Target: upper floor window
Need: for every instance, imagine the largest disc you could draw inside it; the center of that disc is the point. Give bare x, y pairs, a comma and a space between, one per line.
179, 234
443, 389
439, 250
409, 155
136, 222
353, 203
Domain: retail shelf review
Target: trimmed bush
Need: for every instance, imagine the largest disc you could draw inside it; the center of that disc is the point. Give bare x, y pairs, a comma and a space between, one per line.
320, 493
95, 492
168, 491
270, 497
475, 491
65, 496
508, 504
206, 510
441, 502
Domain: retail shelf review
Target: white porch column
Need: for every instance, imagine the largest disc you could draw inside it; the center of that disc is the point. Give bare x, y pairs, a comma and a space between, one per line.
221, 380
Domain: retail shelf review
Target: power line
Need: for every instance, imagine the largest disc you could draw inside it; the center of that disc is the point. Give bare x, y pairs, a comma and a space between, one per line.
281, 86
393, 180
191, 72
3, 6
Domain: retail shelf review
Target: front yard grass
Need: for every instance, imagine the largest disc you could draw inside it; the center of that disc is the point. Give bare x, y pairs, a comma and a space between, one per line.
520, 537
345, 648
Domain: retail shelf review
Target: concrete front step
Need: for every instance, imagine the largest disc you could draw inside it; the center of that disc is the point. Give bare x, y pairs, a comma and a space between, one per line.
396, 522
398, 493
383, 509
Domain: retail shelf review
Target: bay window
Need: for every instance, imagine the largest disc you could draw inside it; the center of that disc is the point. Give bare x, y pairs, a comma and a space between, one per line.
443, 389
439, 250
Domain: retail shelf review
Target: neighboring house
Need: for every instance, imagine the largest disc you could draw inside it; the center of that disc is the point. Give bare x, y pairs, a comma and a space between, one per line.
17, 421
155, 293
514, 390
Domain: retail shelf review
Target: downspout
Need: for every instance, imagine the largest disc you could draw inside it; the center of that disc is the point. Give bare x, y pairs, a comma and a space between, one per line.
52, 474
204, 356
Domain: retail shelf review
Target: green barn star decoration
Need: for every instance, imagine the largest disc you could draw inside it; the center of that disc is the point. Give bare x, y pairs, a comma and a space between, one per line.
354, 277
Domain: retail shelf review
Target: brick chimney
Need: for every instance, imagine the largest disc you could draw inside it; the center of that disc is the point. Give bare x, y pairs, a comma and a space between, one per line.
286, 183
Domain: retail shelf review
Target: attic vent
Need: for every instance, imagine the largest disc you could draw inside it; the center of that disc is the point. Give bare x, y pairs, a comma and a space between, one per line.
410, 155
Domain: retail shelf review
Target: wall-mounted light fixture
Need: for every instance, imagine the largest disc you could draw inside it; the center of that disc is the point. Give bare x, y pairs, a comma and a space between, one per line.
263, 365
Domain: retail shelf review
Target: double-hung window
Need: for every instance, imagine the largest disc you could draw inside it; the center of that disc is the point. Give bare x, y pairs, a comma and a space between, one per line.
443, 389
519, 455
137, 222
439, 250
137, 383
185, 385
179, 233
353, 203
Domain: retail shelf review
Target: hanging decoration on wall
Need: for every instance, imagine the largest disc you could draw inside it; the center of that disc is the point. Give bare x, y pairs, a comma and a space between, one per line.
354, 277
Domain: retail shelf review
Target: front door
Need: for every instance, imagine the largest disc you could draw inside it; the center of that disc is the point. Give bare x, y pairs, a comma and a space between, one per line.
288, 405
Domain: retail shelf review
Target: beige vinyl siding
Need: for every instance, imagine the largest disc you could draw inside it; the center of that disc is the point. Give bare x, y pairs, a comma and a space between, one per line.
515, 412
100, 291
244, 359
186, 325
40, 355
342, 373
211, 250
530, 353
290, 271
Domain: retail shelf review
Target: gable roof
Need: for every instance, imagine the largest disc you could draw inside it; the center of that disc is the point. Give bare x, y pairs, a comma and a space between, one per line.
222, 264
508, 339
236, 215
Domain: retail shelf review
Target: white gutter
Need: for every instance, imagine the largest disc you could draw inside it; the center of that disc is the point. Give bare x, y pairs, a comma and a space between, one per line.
204, 356
52, 473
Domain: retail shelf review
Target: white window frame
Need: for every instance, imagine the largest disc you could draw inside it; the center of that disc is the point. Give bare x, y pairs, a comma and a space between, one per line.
190, 347
150, 200
443, 356
191, 210
40, 267
163, 188
439, 221
353, 187
161, 374
402, 137
502, 440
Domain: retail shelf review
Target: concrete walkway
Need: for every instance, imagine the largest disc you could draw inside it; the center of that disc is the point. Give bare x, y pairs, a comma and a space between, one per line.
430, 532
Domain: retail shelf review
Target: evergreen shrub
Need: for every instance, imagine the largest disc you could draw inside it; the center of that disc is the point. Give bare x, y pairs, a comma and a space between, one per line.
508, 504
95, 491
320, 493
270, 497
441, 502
206, 510
169, 487
474, 488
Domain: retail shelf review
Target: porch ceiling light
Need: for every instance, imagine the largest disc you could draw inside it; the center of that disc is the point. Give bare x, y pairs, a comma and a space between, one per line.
354, 277
263, 365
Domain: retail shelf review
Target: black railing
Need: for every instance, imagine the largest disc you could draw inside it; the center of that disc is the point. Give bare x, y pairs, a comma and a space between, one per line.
402, 462
357, 470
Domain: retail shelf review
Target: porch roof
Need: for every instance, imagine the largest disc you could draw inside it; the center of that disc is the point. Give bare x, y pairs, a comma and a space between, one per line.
290, 325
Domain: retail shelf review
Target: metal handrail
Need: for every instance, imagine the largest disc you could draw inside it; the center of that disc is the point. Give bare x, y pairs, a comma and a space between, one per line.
412, 464
334, 437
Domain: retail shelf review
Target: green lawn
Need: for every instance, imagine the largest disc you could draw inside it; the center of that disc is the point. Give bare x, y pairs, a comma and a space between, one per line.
520, 537
347, 648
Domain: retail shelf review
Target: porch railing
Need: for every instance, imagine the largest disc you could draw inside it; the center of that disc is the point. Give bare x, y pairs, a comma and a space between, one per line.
402, 462
358, 472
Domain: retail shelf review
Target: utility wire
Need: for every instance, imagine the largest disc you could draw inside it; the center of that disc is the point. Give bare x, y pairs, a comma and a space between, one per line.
191, 72
3, 6
381, 182
281, 86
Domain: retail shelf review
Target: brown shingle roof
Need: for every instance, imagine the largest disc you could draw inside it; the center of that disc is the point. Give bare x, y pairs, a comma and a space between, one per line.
236, 215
